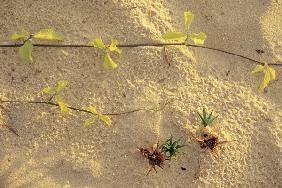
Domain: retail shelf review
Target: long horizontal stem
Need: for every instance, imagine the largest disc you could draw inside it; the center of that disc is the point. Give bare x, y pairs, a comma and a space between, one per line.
140, 45
79, 109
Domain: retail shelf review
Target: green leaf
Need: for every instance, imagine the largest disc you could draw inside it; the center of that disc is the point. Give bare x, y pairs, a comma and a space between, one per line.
113, 47
49, 90
98, 42
20, 35
109, 63
177, 36
174, 144
25, 51
106, 119
89, 121
198, 38
206, 118
63, 106
258, 69
204, 113
210, 116
179, 146
61, 84
171, 147
188, 19
92, 109
48, 34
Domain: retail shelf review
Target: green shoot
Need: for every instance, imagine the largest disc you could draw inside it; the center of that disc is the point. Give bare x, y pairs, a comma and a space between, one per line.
108, 50
106, 119
206, 119
198, 38
26, 49
269, 74
171, 147
55, 94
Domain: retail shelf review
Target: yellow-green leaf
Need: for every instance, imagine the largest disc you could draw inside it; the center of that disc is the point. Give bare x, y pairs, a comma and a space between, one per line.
258, 69
89, 121
109, 63
98, 42
49, 90
272, 72
63, 106
265, 81
198, 38
48, 34
20, 35
188, 19
25, 51
92, 109
269, 74
177, 36
106, 119
113, 47
61, 84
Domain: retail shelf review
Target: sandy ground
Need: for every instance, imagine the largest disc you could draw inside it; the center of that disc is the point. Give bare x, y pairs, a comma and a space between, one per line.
54, 151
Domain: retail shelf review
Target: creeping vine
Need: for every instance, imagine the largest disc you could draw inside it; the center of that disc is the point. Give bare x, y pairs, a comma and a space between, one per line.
181, 38
108, 63
156, 154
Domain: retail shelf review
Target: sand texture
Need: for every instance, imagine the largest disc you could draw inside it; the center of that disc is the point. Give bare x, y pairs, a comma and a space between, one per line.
53, 150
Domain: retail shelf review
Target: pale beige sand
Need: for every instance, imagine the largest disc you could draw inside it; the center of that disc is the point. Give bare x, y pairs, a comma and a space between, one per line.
54, 151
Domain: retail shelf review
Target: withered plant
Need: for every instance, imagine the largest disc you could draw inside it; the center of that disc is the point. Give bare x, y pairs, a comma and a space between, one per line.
155, 155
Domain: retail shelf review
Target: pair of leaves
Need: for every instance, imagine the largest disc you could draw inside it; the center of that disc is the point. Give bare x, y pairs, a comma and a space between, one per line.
54, 92
198, 38
26, 49
206, 119
171, 147
269, 74
48, 34
108, 61
106, 119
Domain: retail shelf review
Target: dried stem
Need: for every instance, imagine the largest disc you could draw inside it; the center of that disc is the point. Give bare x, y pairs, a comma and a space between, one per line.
166, 56
82, 110
141, 45
10, 128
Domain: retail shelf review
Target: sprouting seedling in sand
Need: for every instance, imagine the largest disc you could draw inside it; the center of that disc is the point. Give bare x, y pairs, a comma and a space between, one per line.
55, 94
172, 148
96, 114
269, 74
208, 140
108, 50
198, 38
205, 118
26, 49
